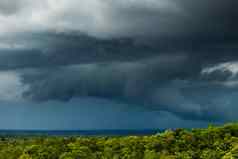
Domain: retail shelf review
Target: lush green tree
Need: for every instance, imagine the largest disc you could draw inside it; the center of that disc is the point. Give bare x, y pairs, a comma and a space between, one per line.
211, 143
150, 154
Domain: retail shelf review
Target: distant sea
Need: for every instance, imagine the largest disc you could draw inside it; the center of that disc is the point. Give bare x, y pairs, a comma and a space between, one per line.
79, 132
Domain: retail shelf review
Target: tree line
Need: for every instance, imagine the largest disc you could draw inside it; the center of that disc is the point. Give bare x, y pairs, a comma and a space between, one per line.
210, 143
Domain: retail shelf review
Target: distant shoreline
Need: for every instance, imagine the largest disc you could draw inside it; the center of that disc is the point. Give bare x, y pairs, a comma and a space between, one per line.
113, 132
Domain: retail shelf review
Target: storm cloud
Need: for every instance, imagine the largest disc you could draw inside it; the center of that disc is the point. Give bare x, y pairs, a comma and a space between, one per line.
175, 56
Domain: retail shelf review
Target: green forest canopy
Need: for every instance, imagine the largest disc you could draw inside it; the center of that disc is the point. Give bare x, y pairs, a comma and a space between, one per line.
211, 143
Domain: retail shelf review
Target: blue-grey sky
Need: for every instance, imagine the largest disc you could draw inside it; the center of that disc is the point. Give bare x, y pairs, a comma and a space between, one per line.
100, 64
86, 114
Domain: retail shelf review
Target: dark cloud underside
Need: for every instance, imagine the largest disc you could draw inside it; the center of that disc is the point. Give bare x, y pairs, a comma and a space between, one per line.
176, 56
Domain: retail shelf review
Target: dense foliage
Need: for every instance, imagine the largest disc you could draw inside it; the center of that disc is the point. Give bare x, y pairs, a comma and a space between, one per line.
210, 143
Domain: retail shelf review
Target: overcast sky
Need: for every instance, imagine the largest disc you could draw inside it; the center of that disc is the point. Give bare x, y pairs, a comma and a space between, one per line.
85, 64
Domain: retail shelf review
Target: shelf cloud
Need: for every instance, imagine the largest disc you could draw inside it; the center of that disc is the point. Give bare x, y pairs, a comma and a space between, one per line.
175, 56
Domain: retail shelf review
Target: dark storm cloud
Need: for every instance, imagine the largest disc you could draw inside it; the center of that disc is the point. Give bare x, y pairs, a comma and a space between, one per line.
130, 18
62, 49
156, 84
52, 50
151, 53
115, 79
212, 18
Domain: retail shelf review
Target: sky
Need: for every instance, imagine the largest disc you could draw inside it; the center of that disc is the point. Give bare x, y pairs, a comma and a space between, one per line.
128, 64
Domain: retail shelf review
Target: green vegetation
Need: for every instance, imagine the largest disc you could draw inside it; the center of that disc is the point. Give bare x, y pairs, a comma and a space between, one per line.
210, 143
